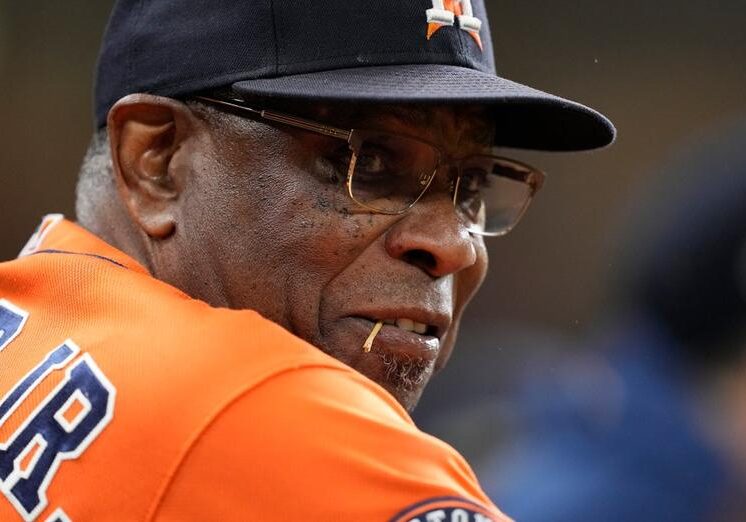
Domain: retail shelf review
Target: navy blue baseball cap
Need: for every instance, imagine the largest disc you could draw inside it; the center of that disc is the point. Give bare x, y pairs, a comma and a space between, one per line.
362, 51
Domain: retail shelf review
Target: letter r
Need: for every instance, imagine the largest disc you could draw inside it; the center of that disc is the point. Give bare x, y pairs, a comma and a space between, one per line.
53, 437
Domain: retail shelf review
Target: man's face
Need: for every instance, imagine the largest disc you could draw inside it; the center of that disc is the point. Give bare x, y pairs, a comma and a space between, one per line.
265, 225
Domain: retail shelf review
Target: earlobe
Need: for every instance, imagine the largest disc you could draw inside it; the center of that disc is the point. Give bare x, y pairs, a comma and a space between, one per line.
145, 132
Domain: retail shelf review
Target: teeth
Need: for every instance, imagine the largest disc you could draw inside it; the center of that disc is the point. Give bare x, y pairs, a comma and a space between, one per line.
408, 325
405, 324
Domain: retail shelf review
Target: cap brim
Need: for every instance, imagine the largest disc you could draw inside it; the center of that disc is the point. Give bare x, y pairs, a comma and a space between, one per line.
525, 117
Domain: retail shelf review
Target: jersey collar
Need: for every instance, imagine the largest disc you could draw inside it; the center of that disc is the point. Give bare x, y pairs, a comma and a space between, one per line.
57, 234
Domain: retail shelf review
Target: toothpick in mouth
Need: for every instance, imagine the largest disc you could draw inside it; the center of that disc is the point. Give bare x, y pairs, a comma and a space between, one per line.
368, 344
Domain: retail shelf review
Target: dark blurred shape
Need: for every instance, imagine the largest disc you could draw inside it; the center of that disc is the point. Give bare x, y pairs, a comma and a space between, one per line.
688, 274
648, 422
607, 438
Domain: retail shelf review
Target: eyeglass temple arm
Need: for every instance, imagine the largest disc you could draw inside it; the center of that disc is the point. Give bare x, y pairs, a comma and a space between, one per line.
532, 176
287, 119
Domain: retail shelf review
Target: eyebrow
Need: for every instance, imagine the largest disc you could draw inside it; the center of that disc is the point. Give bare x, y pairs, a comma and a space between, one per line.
413, 117
479, 131
364, 115
354, 116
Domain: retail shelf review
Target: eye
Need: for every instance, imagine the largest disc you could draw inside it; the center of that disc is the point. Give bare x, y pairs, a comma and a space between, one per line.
371, 161
334, 164
378, 166
473, 181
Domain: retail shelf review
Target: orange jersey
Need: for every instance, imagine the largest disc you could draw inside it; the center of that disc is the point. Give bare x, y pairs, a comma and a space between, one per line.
121, 398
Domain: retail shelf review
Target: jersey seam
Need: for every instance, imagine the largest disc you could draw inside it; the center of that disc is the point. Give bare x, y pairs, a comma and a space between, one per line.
228, 403
409, 510
95, 256
136, 271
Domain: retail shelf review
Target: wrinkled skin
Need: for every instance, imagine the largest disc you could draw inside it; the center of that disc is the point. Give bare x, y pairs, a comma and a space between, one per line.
243, 215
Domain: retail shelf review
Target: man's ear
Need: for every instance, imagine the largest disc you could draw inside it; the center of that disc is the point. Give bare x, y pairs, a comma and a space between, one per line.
145, 132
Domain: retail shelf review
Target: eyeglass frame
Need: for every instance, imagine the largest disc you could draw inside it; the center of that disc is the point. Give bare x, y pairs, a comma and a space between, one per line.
534, 177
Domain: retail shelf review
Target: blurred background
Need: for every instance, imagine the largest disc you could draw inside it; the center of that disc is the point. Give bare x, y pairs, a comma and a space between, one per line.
599, 371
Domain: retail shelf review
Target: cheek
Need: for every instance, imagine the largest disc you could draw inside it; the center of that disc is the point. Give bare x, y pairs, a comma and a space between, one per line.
288, 234
319, 242
313, 230
468, 283
470, 280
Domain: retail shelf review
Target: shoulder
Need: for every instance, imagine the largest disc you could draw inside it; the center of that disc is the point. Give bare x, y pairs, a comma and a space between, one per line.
130, 369
320, 444
207, 411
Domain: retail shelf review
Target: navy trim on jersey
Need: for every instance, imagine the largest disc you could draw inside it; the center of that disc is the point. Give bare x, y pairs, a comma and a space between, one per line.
418, 505
54, 251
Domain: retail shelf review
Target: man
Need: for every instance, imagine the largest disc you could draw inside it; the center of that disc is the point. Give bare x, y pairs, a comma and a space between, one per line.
329, 166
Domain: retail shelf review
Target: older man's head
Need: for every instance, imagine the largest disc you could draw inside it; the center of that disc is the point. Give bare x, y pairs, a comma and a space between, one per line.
362, 195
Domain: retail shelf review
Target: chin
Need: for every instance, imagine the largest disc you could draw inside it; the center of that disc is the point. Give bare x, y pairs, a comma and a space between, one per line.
404, 378
403, 374
408, 399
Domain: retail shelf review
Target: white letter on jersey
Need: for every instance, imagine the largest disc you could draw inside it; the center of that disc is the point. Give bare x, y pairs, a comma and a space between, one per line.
48, 437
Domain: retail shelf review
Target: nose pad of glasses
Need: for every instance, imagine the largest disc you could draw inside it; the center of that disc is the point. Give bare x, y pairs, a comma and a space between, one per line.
450, 172
443, 178
447, 180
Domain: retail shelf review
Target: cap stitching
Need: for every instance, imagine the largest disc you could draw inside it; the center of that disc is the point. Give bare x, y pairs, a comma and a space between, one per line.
272, 69
229, 76
274, 30
133, 49
460, 38
406, 53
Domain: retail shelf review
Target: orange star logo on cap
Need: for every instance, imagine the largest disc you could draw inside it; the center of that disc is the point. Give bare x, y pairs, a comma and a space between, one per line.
446, 12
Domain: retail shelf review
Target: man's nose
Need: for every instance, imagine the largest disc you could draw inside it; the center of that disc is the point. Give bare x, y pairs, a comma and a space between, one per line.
432, 237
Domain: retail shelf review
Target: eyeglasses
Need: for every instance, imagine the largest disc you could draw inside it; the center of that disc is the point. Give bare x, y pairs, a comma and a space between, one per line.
389, 173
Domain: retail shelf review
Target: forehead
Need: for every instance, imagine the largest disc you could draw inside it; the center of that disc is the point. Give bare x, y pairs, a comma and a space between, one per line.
469, 123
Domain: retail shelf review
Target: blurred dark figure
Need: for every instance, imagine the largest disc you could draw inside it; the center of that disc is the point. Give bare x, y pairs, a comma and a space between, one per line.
648, 423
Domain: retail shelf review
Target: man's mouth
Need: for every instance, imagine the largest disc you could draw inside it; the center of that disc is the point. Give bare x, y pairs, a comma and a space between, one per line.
414, 320
400, 337
411, 325
396, 347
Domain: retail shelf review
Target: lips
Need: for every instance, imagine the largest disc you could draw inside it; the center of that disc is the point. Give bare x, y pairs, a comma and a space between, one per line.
394, 340
411, 325
412, 332
413, 320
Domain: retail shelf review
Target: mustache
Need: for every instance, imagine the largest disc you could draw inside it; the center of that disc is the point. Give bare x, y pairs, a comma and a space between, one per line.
407, 286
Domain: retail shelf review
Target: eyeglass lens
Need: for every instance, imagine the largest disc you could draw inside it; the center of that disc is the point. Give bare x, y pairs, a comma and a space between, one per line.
392, 172
492, 193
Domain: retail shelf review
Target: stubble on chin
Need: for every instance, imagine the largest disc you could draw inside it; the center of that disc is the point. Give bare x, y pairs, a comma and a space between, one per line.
405, 377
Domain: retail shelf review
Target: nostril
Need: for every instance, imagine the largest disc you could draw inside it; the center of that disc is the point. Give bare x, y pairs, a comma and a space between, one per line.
421, 259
